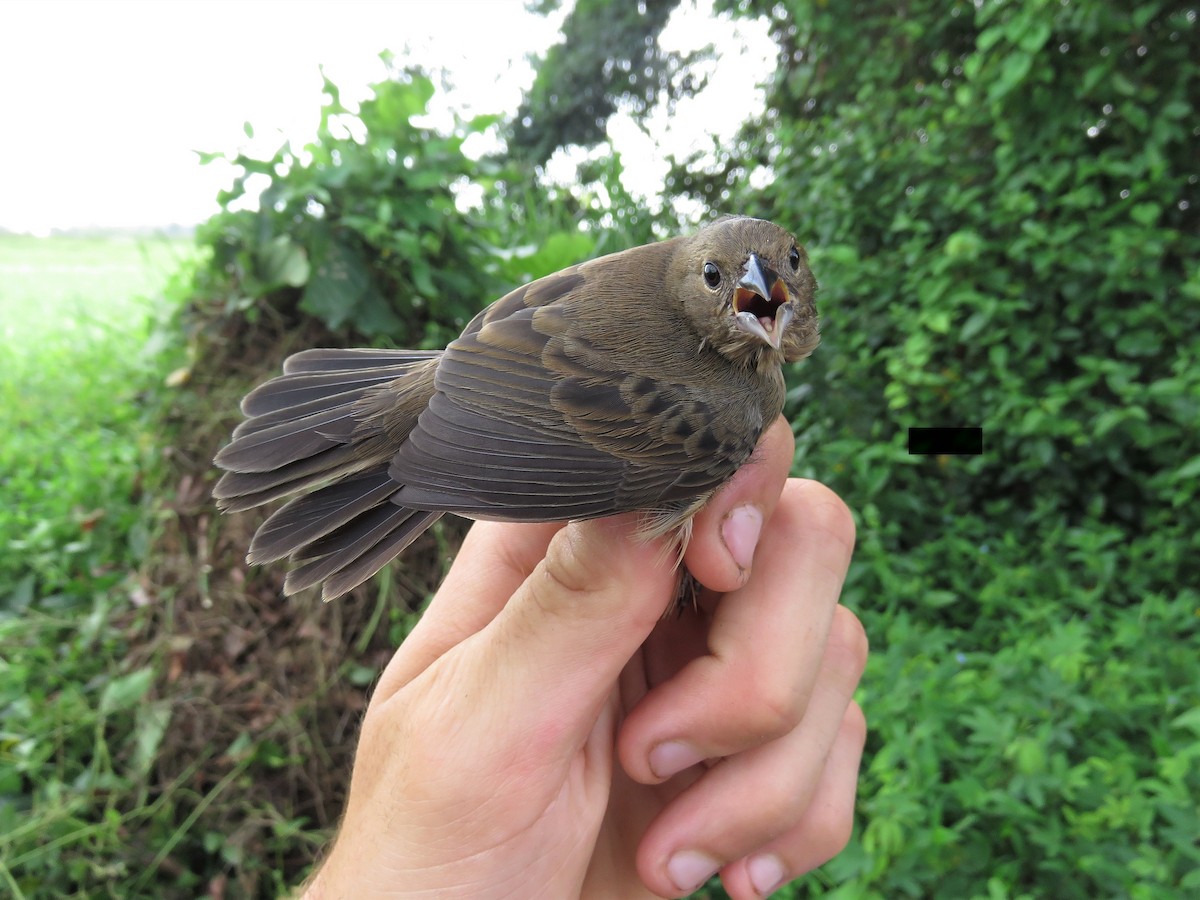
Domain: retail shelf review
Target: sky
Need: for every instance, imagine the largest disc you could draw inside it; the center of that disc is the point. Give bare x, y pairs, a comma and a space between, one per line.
103, 103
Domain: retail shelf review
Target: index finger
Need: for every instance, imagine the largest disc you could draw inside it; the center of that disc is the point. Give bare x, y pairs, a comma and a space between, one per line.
765, 645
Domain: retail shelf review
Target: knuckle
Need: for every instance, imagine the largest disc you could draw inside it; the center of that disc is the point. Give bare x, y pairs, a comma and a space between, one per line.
833, 826
835, 517
565, 568
777, 811
777, 709
826, 511
567, 576
848, 646
854, 725
587, 573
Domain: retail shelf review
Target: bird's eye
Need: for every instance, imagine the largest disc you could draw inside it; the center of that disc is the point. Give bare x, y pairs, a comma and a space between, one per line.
794, 259
712, 275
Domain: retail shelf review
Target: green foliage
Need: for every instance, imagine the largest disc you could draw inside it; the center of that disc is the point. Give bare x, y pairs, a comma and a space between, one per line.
77, 358
362, 231
80, 362
1001, 200
359, 229
538, 230
75, 747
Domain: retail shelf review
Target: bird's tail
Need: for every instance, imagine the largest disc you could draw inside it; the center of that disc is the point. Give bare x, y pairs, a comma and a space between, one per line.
325, 422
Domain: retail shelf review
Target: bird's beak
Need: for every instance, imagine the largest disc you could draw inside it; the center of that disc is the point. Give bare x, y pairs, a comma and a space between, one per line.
760, 302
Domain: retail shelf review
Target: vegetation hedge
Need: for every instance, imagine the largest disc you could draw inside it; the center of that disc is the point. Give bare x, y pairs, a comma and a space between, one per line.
1001, 200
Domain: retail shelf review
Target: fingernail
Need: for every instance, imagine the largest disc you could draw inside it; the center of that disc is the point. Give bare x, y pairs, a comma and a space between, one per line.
766, 873
672, 757
688, 869
740, 532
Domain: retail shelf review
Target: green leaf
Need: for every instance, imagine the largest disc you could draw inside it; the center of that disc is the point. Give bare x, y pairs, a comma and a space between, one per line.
1122, 85
975, 323
1012, 72
1144, 213
1189, 720
150, 725
1189, 470
964, 245
1035, 37
483, 122
281, 261
126, 691
938, 321
337, 286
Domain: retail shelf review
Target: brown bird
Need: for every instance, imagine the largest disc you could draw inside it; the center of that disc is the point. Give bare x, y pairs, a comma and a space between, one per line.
638, 381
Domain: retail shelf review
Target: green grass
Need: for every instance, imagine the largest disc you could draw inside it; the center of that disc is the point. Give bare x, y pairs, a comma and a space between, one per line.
80, 365
80, 292
77, 359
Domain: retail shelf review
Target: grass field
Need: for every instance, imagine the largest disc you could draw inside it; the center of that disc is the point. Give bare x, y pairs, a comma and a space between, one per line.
77, 354
78, 360
78, 291
129, 766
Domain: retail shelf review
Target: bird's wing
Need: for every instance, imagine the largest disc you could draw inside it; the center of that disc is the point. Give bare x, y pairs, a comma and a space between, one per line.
526, 424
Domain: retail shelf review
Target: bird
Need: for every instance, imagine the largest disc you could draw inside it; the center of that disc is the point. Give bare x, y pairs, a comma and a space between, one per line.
639, 382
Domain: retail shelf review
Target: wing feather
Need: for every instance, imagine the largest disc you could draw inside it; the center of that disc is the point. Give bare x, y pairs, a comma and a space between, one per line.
526, 424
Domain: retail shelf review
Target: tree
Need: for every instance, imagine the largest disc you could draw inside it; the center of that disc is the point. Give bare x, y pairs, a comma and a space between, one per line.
609, 55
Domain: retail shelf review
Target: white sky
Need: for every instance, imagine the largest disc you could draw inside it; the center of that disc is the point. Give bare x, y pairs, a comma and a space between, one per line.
102, 102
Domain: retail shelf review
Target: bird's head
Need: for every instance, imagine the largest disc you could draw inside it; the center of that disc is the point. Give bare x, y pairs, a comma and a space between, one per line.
748, 291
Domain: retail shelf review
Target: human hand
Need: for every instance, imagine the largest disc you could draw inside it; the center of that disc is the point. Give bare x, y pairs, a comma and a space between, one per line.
486, 761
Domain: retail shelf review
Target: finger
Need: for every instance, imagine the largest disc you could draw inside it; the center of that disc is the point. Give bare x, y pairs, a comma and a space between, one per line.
824, 828
725, 533
494, 559
765, 644
747, 801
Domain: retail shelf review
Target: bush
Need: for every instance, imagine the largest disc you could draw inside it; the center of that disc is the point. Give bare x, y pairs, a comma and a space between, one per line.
360, 229
1002, 204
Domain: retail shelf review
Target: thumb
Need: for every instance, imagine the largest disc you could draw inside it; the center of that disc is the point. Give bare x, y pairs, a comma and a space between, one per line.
570, 628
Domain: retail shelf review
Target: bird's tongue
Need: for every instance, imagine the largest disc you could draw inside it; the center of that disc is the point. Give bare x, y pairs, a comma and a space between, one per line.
746, 300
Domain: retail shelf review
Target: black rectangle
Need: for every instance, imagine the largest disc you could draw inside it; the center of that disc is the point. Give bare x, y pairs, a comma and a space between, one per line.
962, 441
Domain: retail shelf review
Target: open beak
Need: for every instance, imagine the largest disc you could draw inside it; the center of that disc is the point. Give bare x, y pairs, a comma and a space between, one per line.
760, 302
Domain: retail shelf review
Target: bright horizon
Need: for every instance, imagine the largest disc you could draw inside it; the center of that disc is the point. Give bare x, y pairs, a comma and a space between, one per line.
107, 101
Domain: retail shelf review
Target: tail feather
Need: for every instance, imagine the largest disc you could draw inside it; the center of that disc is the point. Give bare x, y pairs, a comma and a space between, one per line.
281, 444
314, 515
322, 359
363, 566
340, 549
318, 426
293, 391
358, 373
262, 422
365, 530
238, 491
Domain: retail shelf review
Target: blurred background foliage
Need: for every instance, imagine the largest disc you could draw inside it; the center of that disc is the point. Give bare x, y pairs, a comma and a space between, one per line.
1000, 201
